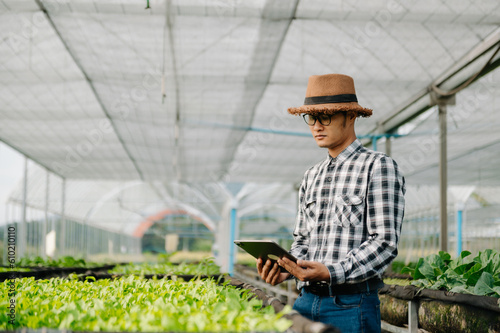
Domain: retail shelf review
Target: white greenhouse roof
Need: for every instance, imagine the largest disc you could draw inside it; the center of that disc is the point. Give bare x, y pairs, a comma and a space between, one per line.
107, 92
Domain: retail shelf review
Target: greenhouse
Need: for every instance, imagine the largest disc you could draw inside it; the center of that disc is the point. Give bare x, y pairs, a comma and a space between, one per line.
140, 139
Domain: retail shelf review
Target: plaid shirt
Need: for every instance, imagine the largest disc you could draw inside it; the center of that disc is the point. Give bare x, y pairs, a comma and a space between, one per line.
350, 213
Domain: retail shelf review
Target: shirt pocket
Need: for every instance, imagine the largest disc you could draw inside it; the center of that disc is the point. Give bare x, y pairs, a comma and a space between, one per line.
310, 210
349, 210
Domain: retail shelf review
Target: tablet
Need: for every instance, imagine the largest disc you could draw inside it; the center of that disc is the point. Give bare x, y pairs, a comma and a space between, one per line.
265, 249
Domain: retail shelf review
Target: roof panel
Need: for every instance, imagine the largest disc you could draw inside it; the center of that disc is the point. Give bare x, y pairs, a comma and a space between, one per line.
197, 91
19, 5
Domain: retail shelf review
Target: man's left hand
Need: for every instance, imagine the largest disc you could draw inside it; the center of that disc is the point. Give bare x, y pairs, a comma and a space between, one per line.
306, 270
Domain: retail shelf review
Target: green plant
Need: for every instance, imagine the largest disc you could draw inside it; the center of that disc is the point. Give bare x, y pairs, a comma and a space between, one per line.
165, 257
135, 304
8, 269
204, 267
398, 266
66, 261
481, 276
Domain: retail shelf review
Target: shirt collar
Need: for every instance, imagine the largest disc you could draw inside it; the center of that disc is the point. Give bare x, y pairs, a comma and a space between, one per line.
355, 145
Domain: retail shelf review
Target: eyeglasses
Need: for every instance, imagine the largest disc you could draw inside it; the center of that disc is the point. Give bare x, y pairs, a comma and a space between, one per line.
324, 119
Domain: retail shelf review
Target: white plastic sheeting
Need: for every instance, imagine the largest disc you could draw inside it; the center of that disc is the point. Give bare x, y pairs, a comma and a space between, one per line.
133, 105
178, 92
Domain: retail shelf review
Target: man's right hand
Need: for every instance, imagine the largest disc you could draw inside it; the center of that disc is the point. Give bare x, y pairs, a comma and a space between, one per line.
271, 272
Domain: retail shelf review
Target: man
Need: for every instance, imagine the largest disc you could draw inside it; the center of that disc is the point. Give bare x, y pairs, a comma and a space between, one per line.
351, 206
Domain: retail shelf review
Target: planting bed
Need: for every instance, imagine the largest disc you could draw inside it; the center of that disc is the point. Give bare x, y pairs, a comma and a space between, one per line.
459, 295
41, 268
204, 267
440, 311
136, 304
132, 301
48, 272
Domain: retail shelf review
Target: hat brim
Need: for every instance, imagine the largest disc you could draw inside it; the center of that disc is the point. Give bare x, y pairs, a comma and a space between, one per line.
331, 109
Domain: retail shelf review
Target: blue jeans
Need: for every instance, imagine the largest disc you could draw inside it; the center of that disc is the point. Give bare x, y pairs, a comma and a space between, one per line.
349, 313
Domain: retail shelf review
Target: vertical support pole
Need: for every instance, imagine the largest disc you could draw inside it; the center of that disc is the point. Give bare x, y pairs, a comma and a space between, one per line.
62, 236
46, 219
374, 142
232, 235
443, 177
442, 103
412, 316
83, 238
460, 208
86, 241
223, 231
22, 232
388, 145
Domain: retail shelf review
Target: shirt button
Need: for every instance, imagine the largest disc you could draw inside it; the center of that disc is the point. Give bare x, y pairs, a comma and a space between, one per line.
329, 179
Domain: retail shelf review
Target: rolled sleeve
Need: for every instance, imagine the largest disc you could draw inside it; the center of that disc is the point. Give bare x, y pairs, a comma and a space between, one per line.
337, 273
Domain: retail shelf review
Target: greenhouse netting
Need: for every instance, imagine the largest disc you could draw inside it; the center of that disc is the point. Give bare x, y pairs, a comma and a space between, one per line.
132, 130
125, 111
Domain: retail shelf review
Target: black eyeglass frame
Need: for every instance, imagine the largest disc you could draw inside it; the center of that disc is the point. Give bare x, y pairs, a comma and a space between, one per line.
318, 117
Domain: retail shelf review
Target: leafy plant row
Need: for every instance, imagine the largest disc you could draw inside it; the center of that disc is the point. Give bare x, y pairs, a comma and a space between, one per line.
66, 261
479, 276
8, 269
205, 267
136, 304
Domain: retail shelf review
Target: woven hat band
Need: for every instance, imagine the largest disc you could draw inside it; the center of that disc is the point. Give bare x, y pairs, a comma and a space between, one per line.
342, 98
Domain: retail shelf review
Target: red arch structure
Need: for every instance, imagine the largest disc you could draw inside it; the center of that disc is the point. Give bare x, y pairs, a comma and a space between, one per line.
150, 220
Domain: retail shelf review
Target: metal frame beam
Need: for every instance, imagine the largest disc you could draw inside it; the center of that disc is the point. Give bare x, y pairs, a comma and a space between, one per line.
454, 77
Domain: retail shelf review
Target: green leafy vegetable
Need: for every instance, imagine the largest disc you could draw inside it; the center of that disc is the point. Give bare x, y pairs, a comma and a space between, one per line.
136, 304
15, 269
205, 267
481, 276
66, 261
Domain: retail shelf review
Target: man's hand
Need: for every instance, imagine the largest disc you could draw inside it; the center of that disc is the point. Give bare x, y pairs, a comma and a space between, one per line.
271, 273
306, 270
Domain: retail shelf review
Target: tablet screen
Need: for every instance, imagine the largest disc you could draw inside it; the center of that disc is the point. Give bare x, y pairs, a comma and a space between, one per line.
264, 249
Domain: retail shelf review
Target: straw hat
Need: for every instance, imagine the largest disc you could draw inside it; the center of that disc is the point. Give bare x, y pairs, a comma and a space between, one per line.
330, 93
